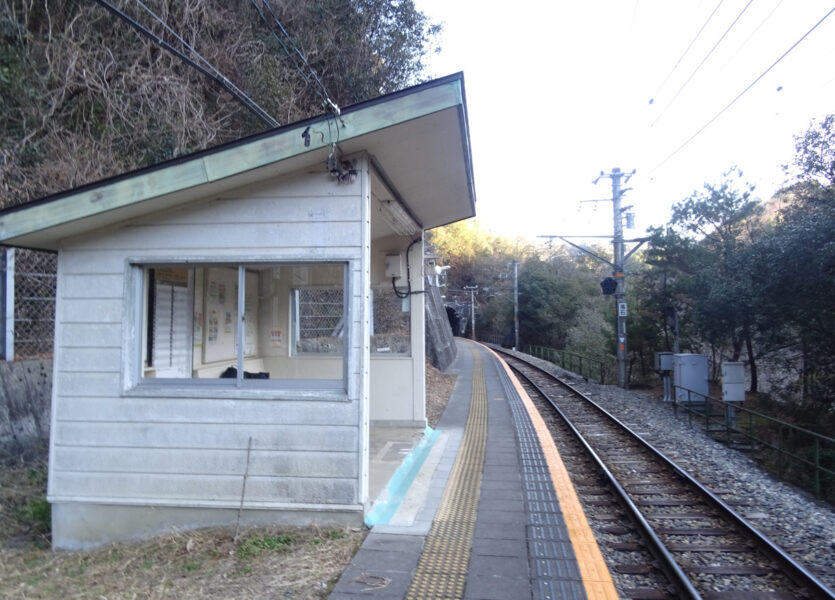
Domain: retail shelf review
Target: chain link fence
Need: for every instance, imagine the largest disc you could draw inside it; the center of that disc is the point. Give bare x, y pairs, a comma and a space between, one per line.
319, 320
32, 290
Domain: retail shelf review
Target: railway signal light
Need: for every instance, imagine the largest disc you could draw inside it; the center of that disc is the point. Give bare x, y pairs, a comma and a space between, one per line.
609, 286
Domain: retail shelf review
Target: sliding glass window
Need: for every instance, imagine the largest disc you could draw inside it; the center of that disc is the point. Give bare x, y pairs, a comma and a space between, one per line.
244, 325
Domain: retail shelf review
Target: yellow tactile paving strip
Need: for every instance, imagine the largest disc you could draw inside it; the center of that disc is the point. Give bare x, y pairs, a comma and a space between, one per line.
442, 569
596, 578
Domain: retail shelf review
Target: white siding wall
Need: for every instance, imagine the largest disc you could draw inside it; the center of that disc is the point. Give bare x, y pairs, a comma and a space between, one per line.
108, 446
398, 385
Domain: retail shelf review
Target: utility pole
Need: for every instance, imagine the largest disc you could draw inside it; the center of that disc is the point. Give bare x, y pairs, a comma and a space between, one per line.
472, 289
515, 304
617, 284
672, 323
618, 271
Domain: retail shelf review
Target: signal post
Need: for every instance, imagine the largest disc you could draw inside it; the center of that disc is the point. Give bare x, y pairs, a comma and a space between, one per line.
616, 284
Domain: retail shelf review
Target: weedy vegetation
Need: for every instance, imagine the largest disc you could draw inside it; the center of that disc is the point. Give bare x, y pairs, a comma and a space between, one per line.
285, 562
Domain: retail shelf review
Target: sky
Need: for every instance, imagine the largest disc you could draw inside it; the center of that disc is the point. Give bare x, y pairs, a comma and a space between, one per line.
559, 91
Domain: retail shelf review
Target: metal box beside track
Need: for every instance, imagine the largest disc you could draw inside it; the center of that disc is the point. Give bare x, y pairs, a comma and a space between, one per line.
733, 382
690, 377
663, 361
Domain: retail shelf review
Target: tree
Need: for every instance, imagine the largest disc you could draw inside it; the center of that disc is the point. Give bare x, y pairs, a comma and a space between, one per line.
795, 275
705, 269
591, 332
468, 249
552, 293
753, 279
815, 153
794, 266
479, 257
359, 49
84, 96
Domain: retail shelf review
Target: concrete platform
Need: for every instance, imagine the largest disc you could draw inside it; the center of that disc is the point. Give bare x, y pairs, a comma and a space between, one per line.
483, 518
388, 446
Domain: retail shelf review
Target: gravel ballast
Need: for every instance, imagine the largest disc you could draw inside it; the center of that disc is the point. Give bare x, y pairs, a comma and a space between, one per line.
790, 517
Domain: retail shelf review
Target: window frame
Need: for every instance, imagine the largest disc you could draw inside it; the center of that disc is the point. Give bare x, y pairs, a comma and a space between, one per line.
135, 332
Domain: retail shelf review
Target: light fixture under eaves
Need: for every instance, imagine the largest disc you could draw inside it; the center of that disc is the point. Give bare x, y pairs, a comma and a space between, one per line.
398, 218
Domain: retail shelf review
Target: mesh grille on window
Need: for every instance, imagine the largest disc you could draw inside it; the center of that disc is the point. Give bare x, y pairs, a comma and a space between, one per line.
320, 320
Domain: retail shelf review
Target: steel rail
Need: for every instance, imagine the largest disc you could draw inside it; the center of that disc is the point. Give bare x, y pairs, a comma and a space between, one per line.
793, 569
668, 564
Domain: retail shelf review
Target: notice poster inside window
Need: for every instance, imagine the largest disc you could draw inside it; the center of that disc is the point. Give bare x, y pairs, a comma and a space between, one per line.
221, 305
195, 316
251, 314
222, 309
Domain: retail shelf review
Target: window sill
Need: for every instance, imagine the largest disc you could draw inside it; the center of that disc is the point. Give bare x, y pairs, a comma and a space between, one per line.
318, 390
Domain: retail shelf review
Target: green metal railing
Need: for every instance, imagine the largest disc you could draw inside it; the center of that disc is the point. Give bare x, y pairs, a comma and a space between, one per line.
793, 453
592, 368
492, 338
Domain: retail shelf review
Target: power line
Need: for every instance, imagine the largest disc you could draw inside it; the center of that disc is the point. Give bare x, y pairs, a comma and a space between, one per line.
753, 33
743, 92
256, 110
339, 57
279, 40
696, 70
208, 64
295, 47
690, 45
634, 18
329, 104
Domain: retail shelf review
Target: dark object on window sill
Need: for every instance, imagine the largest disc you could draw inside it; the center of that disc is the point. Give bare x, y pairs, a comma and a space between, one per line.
232, 373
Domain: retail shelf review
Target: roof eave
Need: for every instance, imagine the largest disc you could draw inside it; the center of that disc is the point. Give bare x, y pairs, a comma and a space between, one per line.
45, 222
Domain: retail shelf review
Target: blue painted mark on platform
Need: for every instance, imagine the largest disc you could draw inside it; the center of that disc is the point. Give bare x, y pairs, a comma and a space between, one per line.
389, 500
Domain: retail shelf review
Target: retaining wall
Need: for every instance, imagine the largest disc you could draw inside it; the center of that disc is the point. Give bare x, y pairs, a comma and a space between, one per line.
440, 344
25, 396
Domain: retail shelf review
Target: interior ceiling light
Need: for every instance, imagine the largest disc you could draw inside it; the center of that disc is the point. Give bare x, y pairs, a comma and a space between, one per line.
397, 217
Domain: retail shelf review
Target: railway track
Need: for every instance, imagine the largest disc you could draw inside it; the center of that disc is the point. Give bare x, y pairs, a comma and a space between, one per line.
666, 535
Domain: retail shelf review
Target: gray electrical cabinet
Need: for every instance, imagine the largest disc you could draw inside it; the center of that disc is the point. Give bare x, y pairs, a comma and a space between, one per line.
690, 373
733, 382
664, 365
663, 361
733, 389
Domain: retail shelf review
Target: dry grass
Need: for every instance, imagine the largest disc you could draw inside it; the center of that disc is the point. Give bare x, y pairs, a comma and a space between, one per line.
300, 563
275, 562
24, 513
280, 562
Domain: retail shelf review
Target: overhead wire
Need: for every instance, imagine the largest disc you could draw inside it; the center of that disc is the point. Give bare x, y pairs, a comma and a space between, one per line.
208, 64
742, 93
333, 163
634, 19
339, 56
280, 41
216, 76
330, 105
686, 50
753, 33
704, 60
